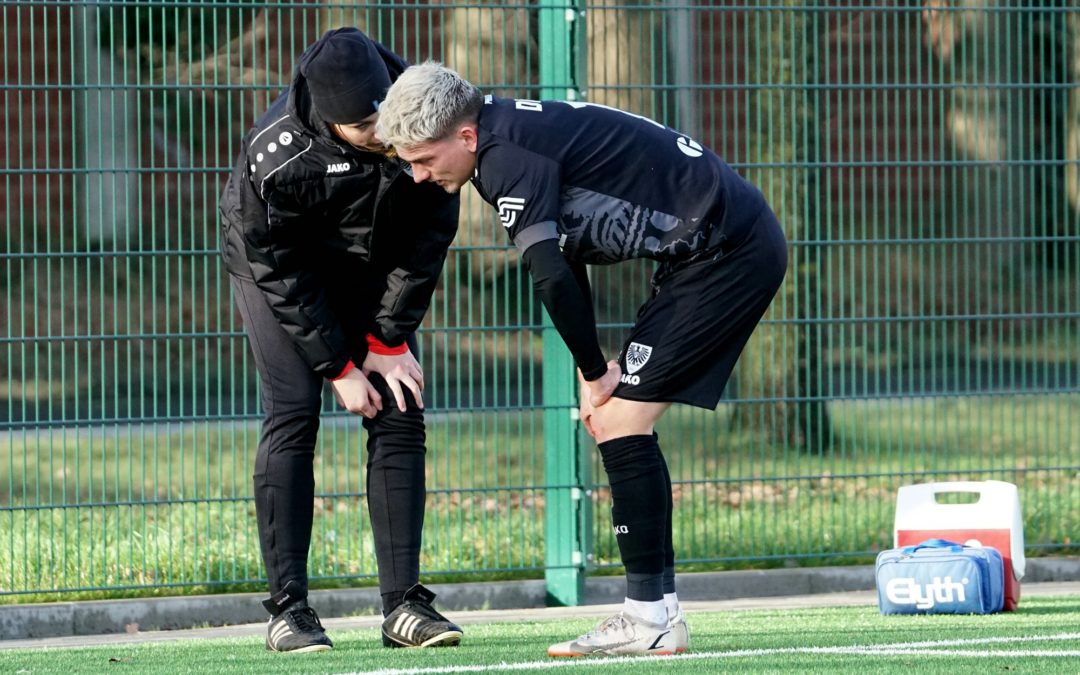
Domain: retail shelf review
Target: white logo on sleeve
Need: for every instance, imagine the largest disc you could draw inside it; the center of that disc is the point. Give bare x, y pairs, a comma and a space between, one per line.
338, 167
689, 147
508, 209
637, 355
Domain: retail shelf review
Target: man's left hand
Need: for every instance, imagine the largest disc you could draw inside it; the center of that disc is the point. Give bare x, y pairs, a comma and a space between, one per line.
400, 371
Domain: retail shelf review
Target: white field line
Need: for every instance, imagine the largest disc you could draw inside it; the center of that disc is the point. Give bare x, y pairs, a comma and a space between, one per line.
1057, 637
966, 653
934, 648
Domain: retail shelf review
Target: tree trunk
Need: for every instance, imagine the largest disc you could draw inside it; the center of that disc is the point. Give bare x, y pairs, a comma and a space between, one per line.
493, 48
781, 365
987, 124
1072, 122
496, 47
619, 69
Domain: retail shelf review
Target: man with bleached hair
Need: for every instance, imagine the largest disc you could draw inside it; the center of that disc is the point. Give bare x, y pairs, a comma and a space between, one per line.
576, 184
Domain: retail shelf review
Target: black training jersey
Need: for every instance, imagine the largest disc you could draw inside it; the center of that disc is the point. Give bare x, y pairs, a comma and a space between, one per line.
609, 185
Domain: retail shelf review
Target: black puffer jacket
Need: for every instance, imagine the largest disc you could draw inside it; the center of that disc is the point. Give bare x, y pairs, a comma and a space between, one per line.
302, 207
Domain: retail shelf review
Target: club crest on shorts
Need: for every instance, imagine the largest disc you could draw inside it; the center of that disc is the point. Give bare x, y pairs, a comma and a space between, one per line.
637, 355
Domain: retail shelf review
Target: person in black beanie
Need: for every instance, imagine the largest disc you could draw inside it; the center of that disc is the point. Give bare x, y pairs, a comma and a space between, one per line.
333, 253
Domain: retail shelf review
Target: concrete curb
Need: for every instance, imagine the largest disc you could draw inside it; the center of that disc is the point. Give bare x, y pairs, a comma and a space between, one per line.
48, 620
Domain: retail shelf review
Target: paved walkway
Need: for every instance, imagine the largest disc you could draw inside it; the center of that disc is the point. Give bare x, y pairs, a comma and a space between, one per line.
842, 599
173, 618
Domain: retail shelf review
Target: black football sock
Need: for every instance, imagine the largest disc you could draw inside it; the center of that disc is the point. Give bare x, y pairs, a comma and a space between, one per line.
669, 548
639, 511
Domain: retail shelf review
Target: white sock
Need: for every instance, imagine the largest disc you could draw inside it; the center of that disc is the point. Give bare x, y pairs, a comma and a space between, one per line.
671, 602
653, 612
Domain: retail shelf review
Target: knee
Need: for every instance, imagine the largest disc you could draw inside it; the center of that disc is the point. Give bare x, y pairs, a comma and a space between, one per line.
619, 418
391, 422
396, 437
389, 402
604, 428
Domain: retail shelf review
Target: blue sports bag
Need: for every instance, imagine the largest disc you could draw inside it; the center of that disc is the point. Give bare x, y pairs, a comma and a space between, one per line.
940, 577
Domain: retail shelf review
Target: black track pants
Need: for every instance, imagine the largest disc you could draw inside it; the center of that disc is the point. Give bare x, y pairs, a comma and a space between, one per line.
284, 478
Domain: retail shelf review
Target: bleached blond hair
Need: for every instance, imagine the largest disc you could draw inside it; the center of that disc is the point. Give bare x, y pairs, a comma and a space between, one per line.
426, 103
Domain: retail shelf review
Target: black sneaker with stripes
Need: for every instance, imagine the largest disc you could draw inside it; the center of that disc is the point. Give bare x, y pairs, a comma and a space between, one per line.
294, 627
414, 623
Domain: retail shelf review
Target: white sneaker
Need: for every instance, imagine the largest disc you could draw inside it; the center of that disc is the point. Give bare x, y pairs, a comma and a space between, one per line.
621, 634
680, 634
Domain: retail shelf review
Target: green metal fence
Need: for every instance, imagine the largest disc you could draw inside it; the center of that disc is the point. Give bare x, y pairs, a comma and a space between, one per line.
923, 158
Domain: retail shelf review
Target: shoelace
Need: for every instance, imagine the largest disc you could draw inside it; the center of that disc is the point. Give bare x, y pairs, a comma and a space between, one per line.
614, 622
307, 621
425, 612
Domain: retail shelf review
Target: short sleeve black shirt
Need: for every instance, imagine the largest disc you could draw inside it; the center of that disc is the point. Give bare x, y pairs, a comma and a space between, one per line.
609, 185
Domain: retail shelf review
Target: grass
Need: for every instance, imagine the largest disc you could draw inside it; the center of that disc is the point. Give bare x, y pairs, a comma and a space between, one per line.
118, 512
1040, 637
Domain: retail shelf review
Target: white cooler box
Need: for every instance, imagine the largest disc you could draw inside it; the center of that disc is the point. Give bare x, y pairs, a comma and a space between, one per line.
992, 520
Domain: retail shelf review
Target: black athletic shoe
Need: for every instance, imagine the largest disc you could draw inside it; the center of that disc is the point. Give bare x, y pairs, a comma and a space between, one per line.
296, 628
416, 624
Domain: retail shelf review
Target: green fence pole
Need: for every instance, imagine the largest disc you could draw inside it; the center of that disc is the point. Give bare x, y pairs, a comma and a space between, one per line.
565, 537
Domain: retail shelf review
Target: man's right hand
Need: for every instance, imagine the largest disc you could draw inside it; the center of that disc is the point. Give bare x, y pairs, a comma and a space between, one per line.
356, 394
600, 390
589, 400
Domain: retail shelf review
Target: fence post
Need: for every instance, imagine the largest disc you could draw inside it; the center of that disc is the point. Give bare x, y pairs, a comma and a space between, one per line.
565, 503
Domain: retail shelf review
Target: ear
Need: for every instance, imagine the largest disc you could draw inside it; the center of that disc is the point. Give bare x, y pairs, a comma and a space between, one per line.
468, 134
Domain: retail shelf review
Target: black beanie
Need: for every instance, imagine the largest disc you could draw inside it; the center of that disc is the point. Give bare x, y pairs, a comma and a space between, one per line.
346, 76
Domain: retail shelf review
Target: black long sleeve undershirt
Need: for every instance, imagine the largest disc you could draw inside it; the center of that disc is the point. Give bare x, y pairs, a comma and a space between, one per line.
564, 289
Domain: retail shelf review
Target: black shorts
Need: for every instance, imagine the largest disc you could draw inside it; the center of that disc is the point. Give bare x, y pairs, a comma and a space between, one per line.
688, 336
